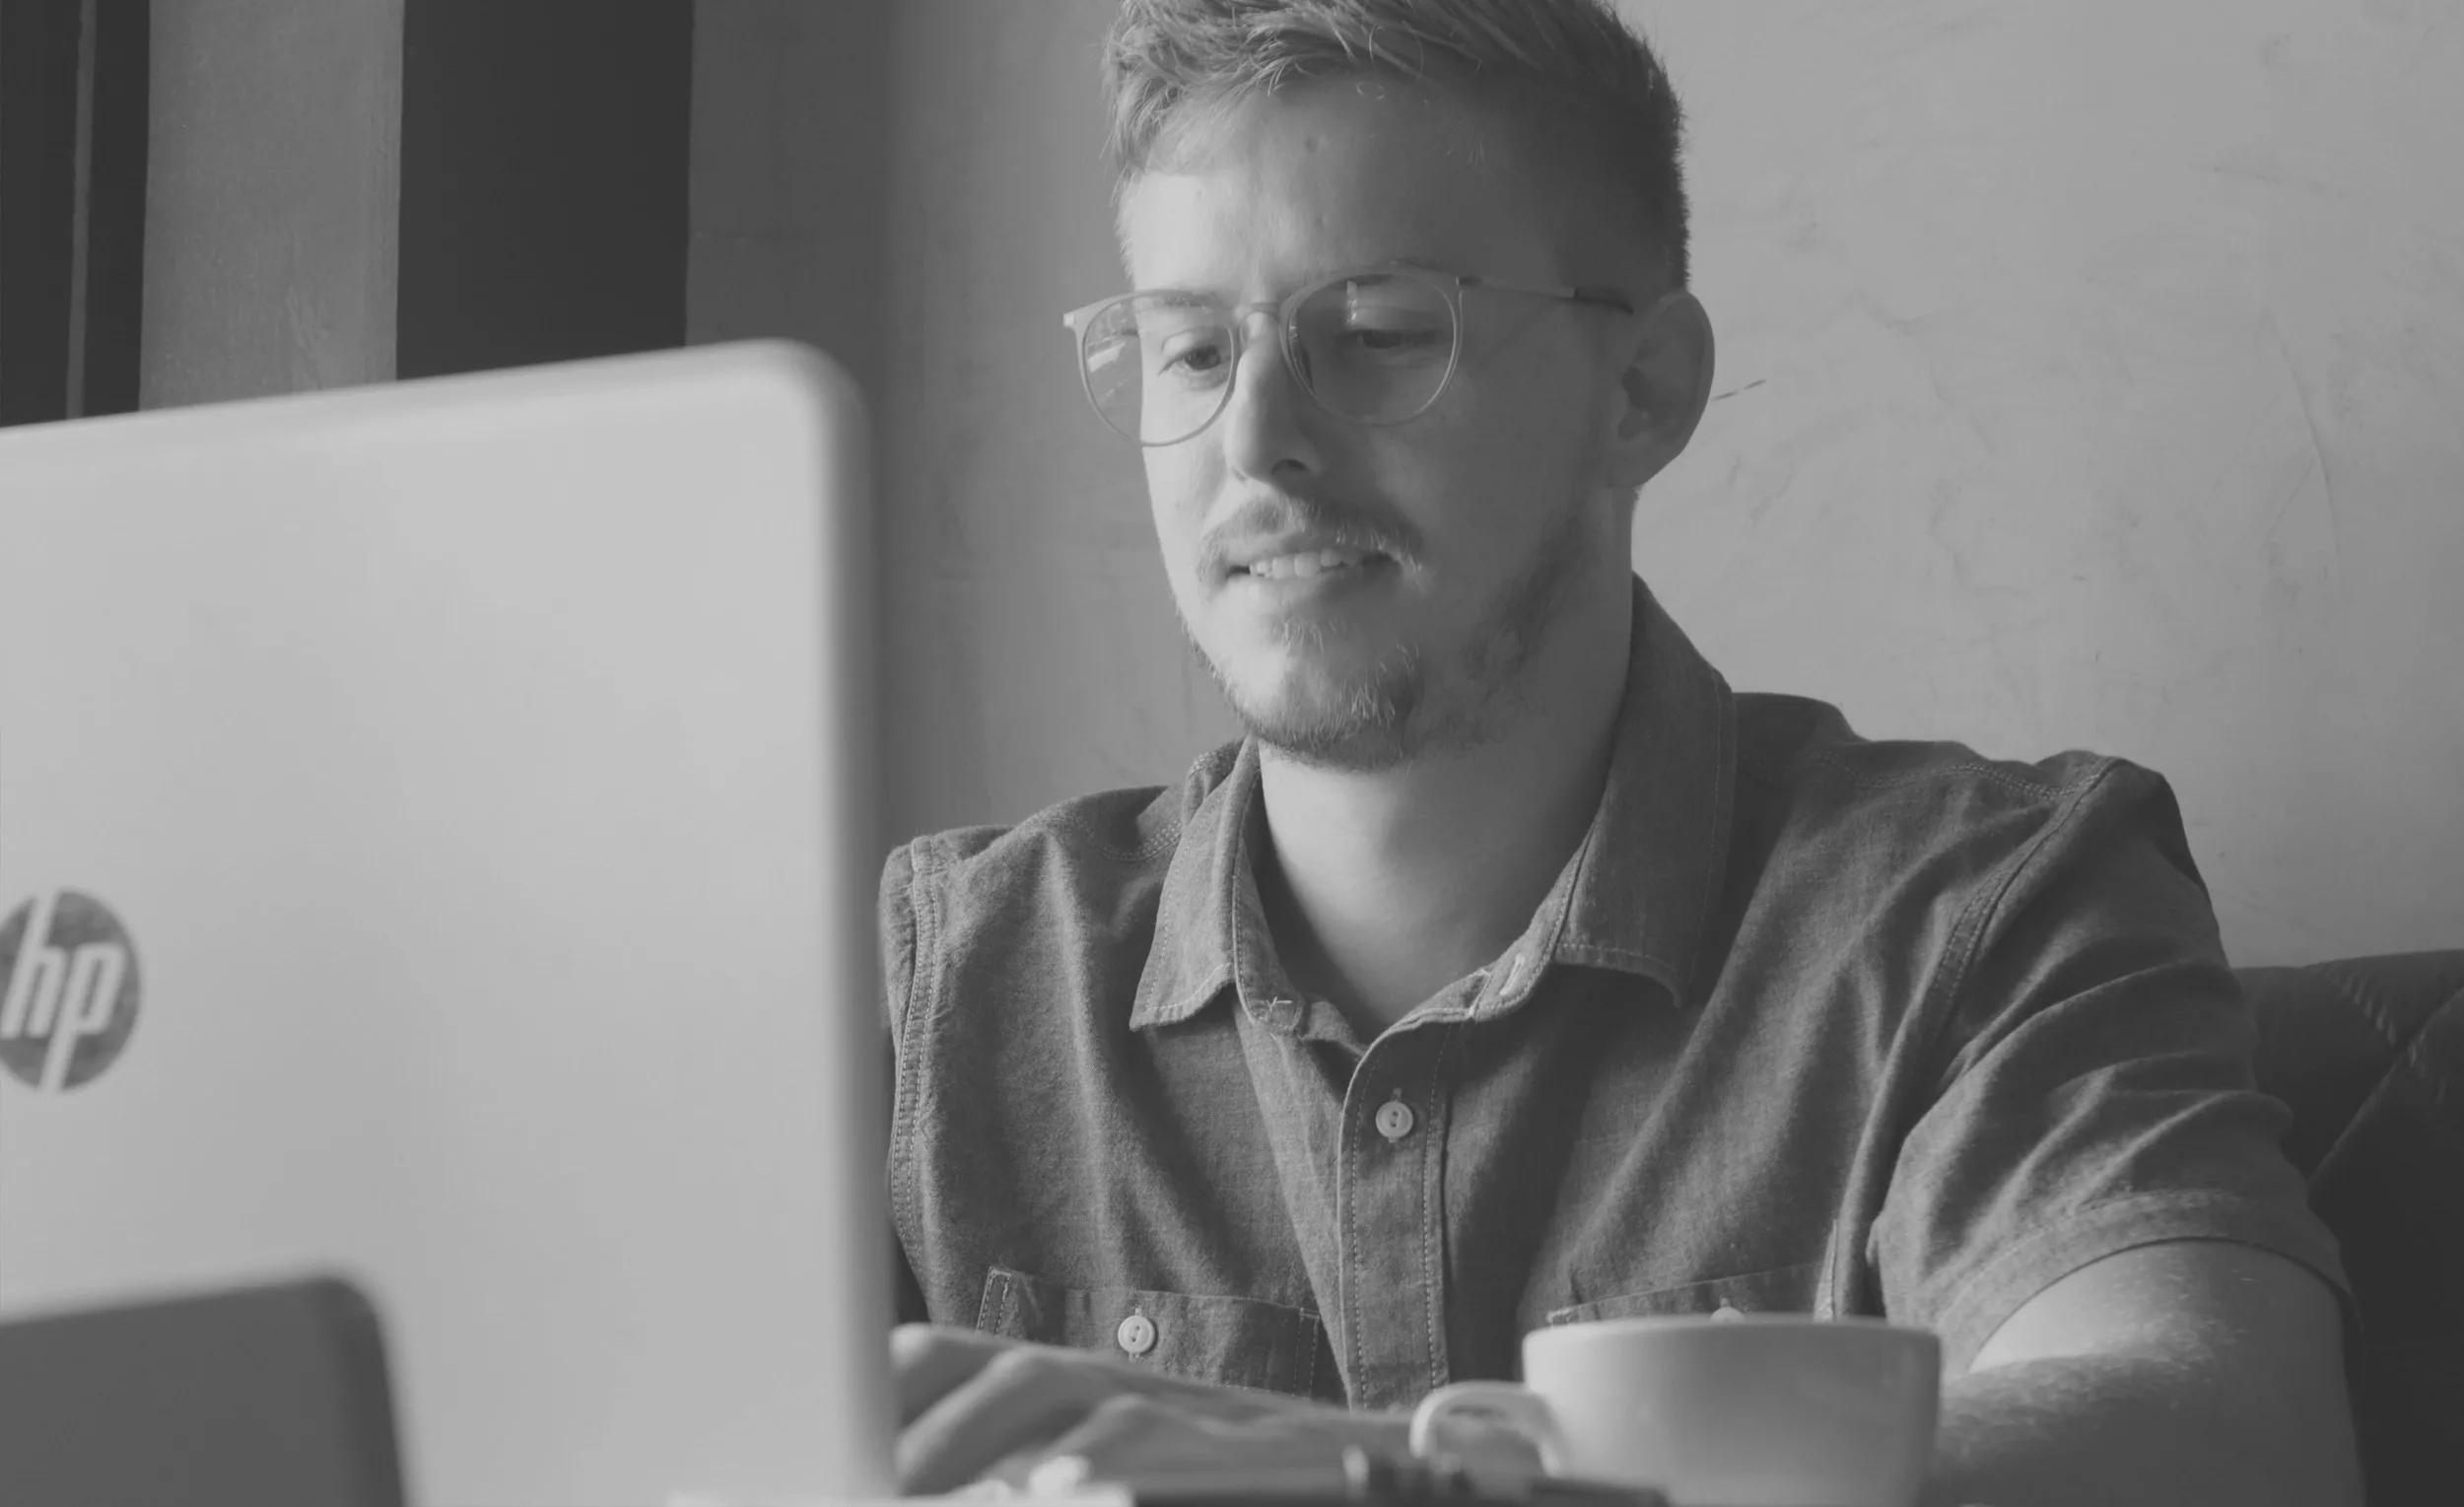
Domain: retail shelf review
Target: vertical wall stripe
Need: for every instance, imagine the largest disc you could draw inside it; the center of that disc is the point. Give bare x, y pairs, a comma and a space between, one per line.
81, 213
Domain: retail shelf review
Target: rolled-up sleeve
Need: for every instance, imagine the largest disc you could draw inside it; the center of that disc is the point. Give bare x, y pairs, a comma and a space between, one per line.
2096, 1091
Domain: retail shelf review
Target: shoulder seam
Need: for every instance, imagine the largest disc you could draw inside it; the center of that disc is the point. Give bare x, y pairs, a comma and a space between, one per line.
1984, 909
1936, 1007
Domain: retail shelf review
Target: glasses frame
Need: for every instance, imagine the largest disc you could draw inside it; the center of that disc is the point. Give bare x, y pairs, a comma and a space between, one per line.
1450, 286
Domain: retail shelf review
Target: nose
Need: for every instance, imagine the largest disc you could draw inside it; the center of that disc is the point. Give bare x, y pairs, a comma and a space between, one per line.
1269, 422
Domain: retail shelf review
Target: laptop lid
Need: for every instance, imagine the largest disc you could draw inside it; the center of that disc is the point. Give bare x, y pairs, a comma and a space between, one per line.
435, 847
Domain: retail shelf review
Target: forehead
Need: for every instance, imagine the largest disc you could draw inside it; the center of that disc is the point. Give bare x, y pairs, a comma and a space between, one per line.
1332, 174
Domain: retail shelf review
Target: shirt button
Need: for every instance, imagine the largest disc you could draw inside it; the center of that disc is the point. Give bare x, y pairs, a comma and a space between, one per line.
1394, 1120
1137, 1333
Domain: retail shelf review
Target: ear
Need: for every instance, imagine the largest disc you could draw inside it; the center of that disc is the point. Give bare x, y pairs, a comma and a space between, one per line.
1664, 388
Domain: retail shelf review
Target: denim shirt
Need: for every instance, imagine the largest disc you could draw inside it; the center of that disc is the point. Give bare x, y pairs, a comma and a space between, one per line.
1808, 1023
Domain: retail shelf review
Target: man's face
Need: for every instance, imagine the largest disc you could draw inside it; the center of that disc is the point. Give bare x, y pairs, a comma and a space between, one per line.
1455, 537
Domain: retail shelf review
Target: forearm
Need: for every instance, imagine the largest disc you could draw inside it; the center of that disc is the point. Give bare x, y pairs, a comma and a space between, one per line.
2117, 1431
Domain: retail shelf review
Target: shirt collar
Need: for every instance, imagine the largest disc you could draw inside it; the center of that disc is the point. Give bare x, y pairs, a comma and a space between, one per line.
1651, 866
1635, 896
1207, 896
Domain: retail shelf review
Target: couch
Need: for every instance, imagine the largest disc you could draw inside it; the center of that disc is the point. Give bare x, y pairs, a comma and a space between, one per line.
2369, 1054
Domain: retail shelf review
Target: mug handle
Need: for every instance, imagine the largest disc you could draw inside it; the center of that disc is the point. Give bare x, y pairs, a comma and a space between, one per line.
1519, 1405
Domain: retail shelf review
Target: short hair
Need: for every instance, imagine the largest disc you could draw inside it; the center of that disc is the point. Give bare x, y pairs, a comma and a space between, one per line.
1572, 64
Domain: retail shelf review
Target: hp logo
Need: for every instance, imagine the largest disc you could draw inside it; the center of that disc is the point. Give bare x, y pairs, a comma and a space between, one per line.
68, 989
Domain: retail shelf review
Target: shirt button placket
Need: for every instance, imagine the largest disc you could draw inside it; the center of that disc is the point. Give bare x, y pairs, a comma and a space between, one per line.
1393, 1285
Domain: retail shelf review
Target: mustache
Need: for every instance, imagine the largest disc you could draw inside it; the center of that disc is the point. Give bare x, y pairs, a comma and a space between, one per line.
1374, 527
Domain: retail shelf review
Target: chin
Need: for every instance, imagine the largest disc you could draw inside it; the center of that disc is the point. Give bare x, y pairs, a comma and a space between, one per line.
1352, 715
1304, 676
1301, 672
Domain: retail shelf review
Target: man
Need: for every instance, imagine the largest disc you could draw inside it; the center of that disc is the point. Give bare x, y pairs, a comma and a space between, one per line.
1512, 970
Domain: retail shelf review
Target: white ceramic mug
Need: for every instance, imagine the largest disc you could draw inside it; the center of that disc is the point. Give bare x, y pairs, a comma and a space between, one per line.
1759, 1410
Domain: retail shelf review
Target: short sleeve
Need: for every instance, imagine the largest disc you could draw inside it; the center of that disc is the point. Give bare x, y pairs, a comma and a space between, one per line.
2097, 1093
897, 917
898, 973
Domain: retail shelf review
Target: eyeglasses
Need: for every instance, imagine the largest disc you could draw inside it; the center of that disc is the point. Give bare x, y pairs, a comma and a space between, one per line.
1376, 347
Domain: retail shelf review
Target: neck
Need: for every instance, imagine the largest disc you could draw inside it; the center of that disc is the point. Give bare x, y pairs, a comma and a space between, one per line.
1383, 888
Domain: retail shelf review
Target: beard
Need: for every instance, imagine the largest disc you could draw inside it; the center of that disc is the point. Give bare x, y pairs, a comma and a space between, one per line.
1402, 707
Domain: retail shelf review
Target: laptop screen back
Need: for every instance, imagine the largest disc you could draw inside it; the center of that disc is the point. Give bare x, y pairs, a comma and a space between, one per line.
435, 847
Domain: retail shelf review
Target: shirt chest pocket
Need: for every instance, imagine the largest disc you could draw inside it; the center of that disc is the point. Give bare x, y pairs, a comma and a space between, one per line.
1233, 1342
1777, 1290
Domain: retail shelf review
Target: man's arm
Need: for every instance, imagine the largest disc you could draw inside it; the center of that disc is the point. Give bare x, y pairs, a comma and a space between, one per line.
2187, 1372
2192, 1371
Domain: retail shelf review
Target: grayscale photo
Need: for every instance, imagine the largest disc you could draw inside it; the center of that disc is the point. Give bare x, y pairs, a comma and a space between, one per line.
1171, 753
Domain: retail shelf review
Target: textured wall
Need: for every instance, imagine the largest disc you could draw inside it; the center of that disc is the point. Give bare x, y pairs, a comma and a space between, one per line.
2108, 361
2092, 379
1033, 652
790, 175
271, 175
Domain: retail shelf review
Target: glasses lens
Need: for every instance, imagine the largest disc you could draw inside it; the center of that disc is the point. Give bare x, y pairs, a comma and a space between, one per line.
1375, 348
1158, 366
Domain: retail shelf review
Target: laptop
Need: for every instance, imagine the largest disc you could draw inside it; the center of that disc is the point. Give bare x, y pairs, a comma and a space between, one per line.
438, 853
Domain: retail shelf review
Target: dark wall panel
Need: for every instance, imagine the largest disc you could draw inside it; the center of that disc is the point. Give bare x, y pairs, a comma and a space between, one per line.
72, 225
37, 198
544, 181
115, 205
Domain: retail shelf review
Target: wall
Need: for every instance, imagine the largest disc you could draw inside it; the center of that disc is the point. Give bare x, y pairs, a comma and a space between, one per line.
918, 190
2108, 360
73, 82
546, 183
1034, 653
2089, 374
790, 175
272, 162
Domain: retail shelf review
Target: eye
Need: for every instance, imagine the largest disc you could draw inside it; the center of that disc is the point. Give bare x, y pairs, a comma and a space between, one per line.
1379, 319
1192, 353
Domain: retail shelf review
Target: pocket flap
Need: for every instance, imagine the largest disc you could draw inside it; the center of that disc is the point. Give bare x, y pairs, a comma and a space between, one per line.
1233, 1342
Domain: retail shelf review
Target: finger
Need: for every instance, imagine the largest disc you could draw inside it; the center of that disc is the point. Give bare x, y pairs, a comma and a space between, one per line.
928, 1362
1489, 1446
1017, 1401
1124, 1437
1140, 1442
1033, 1472
1059, 1476
1126, 1440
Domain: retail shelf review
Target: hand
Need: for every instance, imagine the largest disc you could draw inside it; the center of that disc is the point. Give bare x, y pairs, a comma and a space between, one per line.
975, 1408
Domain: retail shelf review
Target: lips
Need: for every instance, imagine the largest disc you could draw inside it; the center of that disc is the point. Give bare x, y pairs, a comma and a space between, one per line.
1302, 554
1300, 564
